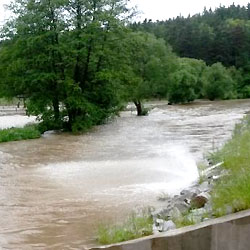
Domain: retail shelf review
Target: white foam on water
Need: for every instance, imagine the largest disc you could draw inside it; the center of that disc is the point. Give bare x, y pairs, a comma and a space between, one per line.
138, 177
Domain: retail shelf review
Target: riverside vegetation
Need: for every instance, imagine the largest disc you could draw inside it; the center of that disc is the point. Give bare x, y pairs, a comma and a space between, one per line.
16, 134
232, 191
223, 188
76, 63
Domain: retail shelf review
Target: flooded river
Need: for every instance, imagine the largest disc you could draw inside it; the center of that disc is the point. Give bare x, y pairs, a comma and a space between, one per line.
55, 191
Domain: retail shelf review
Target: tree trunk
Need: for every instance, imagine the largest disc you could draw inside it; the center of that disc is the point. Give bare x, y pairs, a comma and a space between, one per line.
56, 109
138, 108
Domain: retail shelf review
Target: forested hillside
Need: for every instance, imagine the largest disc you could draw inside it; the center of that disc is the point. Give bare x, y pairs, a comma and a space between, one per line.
222, 35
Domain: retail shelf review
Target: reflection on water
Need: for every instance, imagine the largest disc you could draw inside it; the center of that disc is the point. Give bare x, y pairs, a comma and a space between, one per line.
56, 190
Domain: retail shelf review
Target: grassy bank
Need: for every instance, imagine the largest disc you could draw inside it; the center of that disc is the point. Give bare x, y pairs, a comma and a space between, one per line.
232, 192
17, 134
137, 225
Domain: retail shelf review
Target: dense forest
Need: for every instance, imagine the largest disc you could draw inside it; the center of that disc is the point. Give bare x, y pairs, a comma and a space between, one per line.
219, 36
77, 63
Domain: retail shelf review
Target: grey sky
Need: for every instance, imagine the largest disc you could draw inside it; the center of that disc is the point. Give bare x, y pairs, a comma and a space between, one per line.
162, 9
3, 13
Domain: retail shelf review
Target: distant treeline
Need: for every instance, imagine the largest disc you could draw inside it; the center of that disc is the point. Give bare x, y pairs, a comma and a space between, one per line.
222, 35
77, 63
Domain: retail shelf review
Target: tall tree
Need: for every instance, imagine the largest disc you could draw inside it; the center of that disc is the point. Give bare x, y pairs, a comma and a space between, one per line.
62, 56
150, 62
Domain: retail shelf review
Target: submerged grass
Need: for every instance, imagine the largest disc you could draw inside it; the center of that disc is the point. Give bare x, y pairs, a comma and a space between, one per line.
232, 192
136, 226
16, 134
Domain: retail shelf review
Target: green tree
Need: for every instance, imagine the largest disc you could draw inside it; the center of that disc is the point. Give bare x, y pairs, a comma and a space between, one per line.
31, 58
182, 88
150, 62
63, 56
186, 81
218, 83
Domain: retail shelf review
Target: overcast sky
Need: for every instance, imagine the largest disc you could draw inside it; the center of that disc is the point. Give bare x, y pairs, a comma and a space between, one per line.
162, 9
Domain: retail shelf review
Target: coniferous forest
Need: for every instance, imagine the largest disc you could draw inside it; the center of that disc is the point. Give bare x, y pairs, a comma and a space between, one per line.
77, 63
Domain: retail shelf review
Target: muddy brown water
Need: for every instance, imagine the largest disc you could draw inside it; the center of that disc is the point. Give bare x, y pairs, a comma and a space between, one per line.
55, 191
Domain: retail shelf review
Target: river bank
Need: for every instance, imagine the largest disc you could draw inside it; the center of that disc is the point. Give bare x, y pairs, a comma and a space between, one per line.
222, 189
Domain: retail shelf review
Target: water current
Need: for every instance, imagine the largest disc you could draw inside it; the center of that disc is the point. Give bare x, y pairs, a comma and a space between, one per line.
55, 191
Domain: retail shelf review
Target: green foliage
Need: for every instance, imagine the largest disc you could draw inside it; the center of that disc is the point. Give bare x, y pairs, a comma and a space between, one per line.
232, 193
220, 35
76, 72
233, 189
201, 167
67, 68
150, 62
182, 87
184, 221
186, 82
16, 134
218, 83
136, 226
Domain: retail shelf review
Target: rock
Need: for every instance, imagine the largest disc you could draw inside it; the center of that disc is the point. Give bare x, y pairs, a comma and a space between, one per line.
175, 214
49, 133
187, 201
163, 226
159, 213
200, 200
196, 215
229, 209
185, 192
204, 187
198, 212
182, 206
205, 195
208, 207
189, 193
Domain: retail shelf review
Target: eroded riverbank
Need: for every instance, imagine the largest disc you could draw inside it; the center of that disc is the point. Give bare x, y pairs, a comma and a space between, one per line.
56, 190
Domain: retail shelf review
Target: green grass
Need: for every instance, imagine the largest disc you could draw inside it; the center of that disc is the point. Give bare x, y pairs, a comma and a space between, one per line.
233, 190
184, 220
136, 226
16, 134
201, 167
